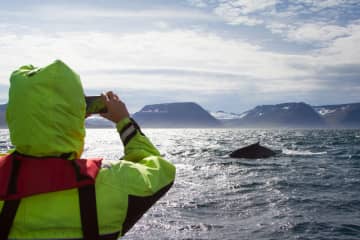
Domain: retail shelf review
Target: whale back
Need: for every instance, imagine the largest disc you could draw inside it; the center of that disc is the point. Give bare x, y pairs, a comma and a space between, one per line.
253, 151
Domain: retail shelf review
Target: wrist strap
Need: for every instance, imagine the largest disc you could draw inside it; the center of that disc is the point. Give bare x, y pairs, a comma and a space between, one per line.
129, 131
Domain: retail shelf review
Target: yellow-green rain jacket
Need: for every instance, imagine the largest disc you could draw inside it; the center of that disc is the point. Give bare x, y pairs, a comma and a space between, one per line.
45, 116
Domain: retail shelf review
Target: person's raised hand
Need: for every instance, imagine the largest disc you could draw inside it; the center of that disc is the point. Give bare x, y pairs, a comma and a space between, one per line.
116, 109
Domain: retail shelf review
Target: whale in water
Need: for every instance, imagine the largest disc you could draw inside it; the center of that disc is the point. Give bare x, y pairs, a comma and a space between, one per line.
253, 151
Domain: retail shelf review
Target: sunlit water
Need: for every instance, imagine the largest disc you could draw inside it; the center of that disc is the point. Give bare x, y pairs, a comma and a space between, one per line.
310, 190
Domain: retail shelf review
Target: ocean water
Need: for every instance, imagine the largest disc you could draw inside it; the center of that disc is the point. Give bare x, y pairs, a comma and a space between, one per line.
310, 190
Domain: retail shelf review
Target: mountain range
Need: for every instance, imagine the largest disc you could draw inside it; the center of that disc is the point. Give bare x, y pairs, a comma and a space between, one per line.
192, 115
295, 115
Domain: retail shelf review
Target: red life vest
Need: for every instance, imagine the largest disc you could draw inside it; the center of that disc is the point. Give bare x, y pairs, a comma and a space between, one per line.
23, 176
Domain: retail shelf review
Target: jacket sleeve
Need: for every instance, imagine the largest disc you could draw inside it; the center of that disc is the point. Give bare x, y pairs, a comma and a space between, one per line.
137, 145
143, 175
142, 155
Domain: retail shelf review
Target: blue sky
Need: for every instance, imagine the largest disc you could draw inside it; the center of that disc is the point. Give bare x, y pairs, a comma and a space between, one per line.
223, 54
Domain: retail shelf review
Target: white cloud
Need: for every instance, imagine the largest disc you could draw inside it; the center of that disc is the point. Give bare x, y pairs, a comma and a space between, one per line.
209, 62
344, 50
316, 5
243, 12
317, 32
296, 21
250, 6
170, 50
234, 15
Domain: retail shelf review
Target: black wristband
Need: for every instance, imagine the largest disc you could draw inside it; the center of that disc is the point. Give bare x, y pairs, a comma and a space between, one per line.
129, 131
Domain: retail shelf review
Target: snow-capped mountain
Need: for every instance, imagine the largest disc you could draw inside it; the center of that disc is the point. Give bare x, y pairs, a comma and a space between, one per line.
347, 115
280, 115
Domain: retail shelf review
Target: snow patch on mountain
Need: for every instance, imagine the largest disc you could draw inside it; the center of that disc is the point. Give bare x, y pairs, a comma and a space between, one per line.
154, 110
221, 115
325, 111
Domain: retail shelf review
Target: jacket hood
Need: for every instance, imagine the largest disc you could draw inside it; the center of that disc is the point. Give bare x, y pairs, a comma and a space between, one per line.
46, 111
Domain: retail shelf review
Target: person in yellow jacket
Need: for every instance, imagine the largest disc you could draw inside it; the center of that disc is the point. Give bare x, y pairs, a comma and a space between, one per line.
45, 116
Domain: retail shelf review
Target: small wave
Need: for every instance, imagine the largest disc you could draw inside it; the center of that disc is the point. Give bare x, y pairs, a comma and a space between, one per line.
200, 227
301, 152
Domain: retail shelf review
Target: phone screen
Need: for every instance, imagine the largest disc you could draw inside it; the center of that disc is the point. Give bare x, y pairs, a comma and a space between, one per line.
95, 104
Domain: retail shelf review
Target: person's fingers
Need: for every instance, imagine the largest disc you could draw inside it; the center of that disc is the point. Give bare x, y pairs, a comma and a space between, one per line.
110, 95
105, 97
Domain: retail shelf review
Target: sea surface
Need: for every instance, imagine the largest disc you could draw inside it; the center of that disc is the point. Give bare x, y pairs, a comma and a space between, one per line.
310, 190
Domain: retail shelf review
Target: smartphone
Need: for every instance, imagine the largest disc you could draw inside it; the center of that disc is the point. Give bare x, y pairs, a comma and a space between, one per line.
95, 104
